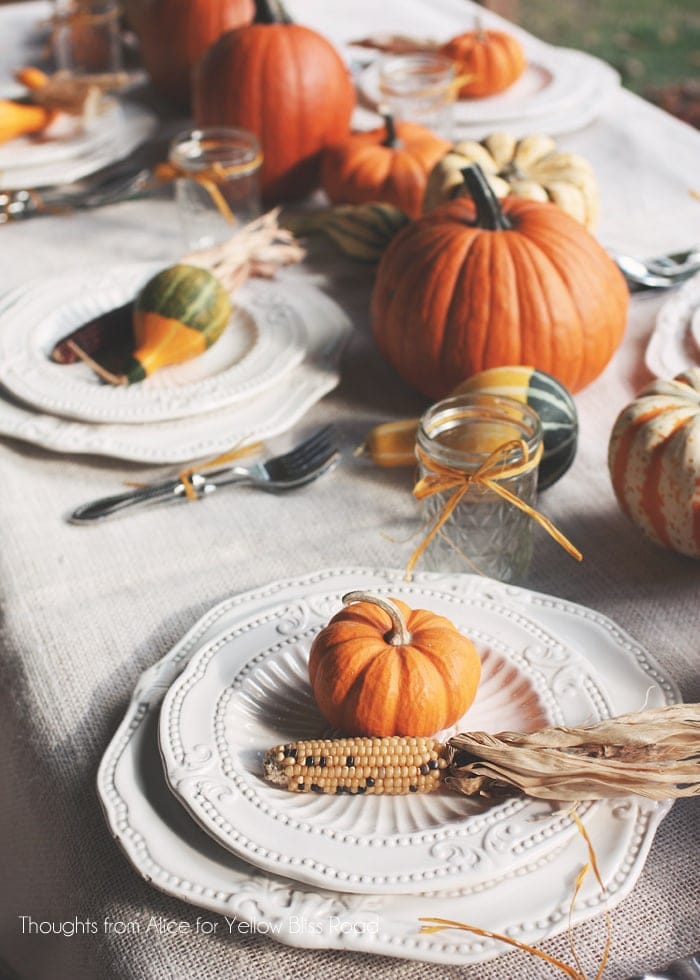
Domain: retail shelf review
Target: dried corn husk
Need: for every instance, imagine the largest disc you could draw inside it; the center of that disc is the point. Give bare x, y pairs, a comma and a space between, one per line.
258, 249
653, 753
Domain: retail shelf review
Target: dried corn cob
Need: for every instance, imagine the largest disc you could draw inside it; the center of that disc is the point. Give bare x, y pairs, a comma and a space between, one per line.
396, 765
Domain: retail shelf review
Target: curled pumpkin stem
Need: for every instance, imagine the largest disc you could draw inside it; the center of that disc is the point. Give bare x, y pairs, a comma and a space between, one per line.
399, 635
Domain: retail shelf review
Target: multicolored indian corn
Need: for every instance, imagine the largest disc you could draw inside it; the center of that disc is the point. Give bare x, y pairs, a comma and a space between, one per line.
356, 766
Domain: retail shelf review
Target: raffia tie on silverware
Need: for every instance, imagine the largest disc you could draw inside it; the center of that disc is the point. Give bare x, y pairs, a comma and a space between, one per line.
210, 178
499, 465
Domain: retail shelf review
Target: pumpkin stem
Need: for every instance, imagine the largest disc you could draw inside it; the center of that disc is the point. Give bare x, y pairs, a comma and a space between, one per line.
391, 139
479, 29
489, 213
398, 635
103, 373
271, 12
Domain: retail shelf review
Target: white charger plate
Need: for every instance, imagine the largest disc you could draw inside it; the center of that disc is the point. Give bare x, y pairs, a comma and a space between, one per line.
171, 852
259, 417
119, 136
264, 339
249, 690
674, 344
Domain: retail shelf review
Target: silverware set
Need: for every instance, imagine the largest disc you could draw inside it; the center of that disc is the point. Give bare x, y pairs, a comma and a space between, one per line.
303, 464
661, 272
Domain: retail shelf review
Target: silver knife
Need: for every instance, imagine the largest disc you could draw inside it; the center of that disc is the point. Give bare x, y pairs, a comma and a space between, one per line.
685, 968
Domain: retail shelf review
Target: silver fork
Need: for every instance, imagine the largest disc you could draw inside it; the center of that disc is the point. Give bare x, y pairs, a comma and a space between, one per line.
303, 464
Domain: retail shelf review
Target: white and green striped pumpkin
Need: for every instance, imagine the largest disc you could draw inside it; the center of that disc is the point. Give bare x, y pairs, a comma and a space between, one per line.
654, 460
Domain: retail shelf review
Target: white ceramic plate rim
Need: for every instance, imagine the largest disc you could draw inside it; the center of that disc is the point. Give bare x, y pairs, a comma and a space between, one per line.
196, 871
52, 308
247, 817
200, 437
672, 347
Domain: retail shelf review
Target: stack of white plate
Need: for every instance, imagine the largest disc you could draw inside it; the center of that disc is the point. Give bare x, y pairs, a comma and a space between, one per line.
674, 344
182, 787
278, 355
67, 151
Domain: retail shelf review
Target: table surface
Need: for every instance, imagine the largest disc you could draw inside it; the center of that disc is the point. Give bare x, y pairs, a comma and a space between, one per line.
84, 611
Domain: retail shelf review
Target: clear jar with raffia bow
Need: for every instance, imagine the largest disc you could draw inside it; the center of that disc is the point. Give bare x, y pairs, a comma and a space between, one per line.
216, 182
477, 458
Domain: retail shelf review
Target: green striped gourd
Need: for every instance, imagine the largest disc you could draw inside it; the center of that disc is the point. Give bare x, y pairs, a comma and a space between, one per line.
178, 314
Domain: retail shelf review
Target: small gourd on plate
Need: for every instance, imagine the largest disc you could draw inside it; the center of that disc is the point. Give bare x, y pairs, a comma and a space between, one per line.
654, 461
382, 668
283, 82
178, 314
475, 284
530, 167
493, 60
389, 164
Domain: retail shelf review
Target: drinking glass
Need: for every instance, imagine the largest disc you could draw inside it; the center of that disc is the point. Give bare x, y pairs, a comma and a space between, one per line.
419, 88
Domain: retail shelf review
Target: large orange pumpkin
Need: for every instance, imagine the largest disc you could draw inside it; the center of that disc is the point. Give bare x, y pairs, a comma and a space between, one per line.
654, 459
492, 59
174, 33
286, 84
381, 668
476, 284
390, 164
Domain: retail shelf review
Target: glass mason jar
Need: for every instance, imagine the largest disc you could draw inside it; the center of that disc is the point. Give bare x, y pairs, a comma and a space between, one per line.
485, 533
223, 193
419, 88
86, 38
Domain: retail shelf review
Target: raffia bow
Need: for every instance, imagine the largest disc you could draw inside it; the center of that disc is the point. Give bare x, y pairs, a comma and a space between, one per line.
499, 465
209, 178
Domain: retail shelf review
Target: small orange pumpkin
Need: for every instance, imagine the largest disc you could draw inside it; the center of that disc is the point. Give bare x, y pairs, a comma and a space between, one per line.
492, 59
389, 164
654, 459
474, 284
381, 668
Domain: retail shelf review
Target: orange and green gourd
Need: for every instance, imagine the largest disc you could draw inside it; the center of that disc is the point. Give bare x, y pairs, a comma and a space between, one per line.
178, 314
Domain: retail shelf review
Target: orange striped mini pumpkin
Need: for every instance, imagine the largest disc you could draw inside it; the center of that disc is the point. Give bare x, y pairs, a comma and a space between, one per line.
654, 460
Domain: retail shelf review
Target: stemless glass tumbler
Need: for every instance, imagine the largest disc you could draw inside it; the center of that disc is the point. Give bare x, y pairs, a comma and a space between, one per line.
484, 533
86, 39
217, 185
419, 88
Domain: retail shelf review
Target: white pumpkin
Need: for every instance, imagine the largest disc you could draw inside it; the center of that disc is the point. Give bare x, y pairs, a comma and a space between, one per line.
654, 460
530, 167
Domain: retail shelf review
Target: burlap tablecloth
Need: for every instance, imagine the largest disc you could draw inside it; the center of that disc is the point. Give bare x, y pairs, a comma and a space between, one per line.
85, 610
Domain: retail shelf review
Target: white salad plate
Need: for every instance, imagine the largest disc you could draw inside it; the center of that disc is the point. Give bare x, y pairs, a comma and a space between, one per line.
529, 903
115, 137
264, 339
674, 344
261, 416
249, 690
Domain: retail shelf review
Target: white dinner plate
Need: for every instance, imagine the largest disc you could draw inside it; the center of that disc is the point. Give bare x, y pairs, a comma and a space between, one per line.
674, 344
197, 437
119, 136
264, 339
171, 852
249, 690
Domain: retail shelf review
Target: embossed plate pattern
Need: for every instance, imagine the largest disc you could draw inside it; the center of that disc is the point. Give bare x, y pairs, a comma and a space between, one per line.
264, 339
249, 690
171, 852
